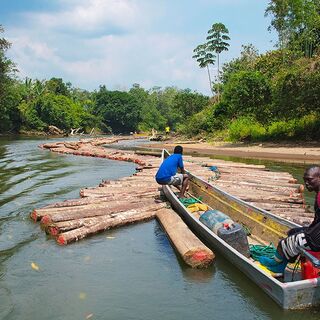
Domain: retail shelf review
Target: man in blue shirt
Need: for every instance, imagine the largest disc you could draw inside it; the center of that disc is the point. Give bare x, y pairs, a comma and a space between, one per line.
167, 173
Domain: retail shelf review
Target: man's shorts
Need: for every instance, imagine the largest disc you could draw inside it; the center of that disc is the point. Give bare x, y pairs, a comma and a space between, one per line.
176, 180
290, 245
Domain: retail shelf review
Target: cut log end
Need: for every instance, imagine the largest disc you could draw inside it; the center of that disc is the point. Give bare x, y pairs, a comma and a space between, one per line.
199, 258
45, 220
34, 215
61, 240
52, 230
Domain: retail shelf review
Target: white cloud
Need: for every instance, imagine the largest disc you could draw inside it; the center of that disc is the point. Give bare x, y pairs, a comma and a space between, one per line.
93, 42
89, 16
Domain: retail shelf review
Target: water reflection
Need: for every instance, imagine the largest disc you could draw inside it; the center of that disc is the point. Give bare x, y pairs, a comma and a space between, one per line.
198, 275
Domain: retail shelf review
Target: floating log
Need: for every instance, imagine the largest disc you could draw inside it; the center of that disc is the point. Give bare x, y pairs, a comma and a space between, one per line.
277, 192
107, 222
190, 248
116, 206
102, 193
63, 226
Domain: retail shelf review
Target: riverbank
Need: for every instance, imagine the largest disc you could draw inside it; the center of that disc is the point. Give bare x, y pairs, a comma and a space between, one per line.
286, 152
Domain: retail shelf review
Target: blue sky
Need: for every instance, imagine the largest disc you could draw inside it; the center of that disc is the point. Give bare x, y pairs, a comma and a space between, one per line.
121, 42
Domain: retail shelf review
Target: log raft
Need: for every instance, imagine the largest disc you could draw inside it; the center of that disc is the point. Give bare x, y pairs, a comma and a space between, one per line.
136, 198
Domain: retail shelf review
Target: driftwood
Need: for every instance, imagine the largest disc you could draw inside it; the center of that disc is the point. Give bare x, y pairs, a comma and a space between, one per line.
190, 248
54, 130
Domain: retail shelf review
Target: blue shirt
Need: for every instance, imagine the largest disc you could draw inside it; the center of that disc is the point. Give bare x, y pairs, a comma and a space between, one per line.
169, 167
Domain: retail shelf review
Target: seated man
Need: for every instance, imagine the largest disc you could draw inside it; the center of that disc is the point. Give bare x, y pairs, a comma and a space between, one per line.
303, 237
167, 173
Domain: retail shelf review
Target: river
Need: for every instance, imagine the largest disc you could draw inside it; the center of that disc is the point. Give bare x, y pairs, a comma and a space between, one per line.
126, 273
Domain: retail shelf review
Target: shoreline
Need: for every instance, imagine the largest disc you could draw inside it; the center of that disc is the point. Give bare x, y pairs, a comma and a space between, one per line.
294, 153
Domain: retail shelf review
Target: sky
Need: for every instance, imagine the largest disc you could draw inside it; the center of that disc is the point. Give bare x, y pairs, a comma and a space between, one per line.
121, 42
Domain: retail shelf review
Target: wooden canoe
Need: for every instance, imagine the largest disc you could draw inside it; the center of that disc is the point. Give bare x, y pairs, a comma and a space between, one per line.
265, 227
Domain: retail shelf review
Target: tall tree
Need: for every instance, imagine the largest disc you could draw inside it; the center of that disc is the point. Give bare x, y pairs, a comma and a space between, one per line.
204, 58
297, 23
9, 119
217, 42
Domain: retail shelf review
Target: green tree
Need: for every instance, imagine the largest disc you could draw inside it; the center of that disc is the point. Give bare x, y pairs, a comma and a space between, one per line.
9, 94
245, 62
217, 41
297, 23
248, 93
204, 59
189, 103
120, 111
57, 86
150, 116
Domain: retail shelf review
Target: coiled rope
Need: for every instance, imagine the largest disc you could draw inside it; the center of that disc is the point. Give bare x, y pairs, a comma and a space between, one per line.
258, 250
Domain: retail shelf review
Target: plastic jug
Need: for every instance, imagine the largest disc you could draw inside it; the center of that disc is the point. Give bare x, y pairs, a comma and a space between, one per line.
308, 270
215, 219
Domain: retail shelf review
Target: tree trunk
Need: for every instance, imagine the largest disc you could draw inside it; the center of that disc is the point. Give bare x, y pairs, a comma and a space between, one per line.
190, 248
210, 82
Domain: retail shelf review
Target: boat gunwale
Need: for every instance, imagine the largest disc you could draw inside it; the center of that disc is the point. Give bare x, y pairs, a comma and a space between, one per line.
285, 286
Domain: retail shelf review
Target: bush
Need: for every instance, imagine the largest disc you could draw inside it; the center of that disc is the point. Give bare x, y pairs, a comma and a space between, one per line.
281, 130
305, 128
248, 93
246, 129
296, 89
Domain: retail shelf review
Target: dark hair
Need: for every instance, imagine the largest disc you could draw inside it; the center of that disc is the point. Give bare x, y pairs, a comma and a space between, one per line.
178, 149
314, 170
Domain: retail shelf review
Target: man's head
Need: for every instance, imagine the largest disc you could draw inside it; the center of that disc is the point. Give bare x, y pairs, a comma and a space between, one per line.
311, 178
178, 149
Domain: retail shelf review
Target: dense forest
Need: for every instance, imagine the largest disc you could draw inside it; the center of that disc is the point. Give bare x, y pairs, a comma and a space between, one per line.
255, 97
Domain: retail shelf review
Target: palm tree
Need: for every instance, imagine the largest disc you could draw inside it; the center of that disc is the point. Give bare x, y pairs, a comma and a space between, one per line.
217, 42
204, 58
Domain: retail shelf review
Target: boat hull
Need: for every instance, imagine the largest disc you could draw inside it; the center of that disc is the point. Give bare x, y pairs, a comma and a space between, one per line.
290, 295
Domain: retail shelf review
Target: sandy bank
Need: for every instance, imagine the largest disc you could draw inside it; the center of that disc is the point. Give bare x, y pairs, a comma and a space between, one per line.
307, 153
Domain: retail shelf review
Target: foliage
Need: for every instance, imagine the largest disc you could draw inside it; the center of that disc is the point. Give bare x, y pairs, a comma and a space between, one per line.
297, 22
150, 116
198, 124
296, 90
274, 61
217, 41
217, 38
304, 128
246, 129
247, 60
9, 116
119, 110
57, 86
204, 58
188, 103
247, 93
57, 110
